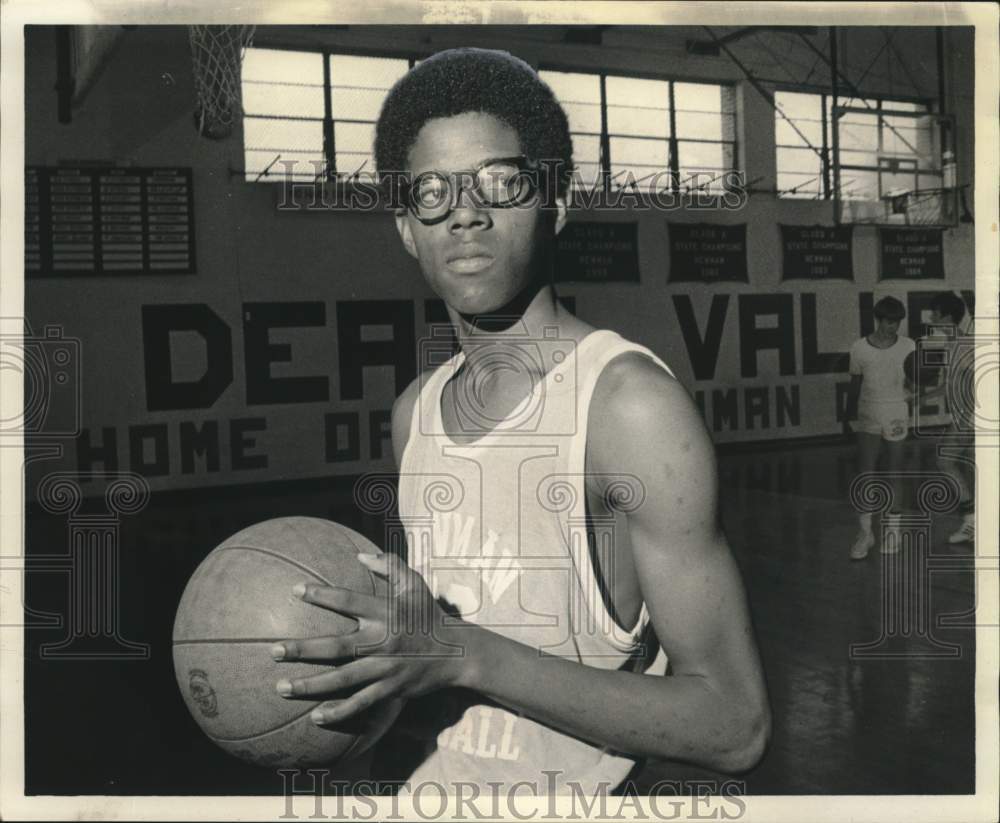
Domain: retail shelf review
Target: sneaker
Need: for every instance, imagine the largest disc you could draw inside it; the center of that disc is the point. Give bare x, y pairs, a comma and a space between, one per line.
966, 532
859, 551
891, 535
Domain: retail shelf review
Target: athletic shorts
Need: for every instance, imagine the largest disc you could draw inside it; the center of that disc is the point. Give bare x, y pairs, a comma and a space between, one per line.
891, 421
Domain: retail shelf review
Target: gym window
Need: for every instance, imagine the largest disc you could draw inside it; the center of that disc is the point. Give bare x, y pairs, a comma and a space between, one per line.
659, 134
883, 146
312, 112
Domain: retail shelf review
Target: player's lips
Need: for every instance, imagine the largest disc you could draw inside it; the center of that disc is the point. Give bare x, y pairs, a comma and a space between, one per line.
469, 260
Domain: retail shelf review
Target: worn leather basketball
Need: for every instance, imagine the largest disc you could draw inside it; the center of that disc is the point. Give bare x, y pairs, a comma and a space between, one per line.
238, 603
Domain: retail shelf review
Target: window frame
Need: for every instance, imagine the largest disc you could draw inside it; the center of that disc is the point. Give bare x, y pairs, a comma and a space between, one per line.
673, 154
826, 149
342, 178
329, 148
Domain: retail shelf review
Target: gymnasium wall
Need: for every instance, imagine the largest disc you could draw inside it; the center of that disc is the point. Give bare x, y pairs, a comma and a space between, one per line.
198, 380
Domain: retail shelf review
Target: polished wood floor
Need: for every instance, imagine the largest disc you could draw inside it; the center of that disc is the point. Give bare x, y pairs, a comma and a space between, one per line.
895, 716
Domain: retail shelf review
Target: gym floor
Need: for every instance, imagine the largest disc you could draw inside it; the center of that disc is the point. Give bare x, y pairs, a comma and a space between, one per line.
895, 716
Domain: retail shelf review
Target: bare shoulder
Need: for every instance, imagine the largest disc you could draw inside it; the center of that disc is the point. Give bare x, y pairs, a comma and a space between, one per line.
643, 422
635, 394
402, 414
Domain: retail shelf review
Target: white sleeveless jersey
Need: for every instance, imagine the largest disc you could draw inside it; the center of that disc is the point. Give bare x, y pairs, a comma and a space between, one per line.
497, 528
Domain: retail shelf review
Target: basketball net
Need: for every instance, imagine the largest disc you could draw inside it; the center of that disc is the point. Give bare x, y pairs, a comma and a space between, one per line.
924, 207
217, 55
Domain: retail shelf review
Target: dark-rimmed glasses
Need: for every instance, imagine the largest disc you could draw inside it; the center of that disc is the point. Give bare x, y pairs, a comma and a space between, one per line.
496, 183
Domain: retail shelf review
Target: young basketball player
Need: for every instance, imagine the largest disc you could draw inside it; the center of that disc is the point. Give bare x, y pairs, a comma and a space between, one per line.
956, 456
877, 405
557, 486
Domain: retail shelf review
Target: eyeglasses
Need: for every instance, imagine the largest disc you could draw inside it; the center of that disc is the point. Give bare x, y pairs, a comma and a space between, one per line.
497, 183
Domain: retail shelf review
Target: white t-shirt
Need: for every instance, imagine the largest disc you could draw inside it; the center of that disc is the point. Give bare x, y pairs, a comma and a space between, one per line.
882, 370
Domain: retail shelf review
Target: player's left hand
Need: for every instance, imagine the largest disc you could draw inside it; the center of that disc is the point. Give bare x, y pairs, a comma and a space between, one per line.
404, 645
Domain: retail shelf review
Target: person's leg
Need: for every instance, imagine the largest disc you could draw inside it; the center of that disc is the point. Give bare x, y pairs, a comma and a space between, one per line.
954, 461
958, 461
869, 445
895, 463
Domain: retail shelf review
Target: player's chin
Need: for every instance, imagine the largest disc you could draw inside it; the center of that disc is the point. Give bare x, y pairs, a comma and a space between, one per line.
475, 301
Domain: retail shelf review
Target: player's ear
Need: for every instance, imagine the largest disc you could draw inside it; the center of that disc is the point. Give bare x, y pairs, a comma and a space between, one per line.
405, 232
560, 220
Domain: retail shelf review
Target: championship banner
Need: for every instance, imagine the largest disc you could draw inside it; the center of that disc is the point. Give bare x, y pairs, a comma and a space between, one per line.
911, 254
589, 252
817, 252
707, 253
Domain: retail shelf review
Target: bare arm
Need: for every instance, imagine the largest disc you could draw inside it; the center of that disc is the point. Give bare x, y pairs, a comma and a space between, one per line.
713, 710
402, 415
853, 393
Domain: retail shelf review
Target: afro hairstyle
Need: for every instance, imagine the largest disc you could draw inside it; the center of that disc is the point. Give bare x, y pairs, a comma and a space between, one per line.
461, 80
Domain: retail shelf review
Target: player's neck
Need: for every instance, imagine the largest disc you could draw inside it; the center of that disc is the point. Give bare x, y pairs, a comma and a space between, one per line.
530, 313
883, 341
537, 318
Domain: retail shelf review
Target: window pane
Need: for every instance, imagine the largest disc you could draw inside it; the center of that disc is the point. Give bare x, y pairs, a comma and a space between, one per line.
860, 133
638, 107
898, 138
800, 168
859, 185
282, 83
698, 97
702, 155
586, 157
859, 158
366, 72
700, 125
353, 143
569, 87
580, 96
300, 136
799, 185
627, 151
804, 161
640, 178
798, 106
359, 84
586, 175
298, 166
353, 137
275, 66
901, 105
864, 103
282, 99
811, 131
583, 117
356, 104
586, 149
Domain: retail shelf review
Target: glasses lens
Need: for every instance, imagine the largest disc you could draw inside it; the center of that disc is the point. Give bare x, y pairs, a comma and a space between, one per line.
504, 183
430, 195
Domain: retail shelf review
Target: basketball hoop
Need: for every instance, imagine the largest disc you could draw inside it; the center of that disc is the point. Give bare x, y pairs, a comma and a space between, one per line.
217, 55
923, 207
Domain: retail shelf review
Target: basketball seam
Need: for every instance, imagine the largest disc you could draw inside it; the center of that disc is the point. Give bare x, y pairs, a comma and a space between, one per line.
295, 719
277, 556
343, 533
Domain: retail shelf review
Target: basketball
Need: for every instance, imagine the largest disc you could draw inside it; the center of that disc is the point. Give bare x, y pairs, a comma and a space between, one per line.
238, 602
922, 376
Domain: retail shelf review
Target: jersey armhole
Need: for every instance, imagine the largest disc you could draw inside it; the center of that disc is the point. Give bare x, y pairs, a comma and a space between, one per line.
624, 639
